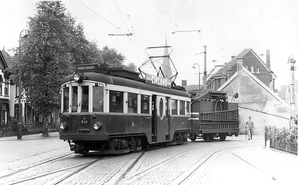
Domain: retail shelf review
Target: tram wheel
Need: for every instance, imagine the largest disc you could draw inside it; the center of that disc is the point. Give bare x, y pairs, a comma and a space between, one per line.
222, 137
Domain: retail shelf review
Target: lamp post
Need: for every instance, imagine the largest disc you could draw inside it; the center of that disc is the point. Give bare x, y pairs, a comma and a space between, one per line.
19, 125
196, 64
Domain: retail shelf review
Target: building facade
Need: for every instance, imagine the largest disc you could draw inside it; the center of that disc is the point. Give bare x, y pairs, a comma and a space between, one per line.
251, 61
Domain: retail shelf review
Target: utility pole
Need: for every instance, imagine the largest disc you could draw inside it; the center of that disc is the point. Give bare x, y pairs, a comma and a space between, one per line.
205, 71
292, 62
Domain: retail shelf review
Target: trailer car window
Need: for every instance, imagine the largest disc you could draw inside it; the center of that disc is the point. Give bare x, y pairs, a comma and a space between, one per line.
98, 99
145, 104
115, 101
132, 103
66, 99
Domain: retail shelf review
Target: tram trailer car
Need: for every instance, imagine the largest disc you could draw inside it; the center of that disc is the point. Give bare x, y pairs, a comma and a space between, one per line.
115, 111
213, 116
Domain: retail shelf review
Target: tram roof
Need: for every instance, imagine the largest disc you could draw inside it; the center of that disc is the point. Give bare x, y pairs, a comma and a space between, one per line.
122, 81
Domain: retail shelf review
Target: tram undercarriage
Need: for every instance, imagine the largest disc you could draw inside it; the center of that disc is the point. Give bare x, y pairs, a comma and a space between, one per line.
122, 145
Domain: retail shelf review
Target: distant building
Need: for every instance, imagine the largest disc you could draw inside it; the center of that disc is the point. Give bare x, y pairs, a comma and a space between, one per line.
4, 90
254, 82
251, 61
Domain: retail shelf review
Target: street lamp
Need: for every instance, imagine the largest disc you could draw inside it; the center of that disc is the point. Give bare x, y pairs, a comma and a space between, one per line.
194, 66
19, 125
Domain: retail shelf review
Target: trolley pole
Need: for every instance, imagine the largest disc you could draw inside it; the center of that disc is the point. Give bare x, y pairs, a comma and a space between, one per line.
205, 71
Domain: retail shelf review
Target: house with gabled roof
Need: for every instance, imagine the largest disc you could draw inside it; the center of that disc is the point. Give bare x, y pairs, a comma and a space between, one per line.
252, 79
4, 90
252, 62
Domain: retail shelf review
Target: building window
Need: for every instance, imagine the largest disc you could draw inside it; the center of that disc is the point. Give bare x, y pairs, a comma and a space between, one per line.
247, 67
252, 69
257, 69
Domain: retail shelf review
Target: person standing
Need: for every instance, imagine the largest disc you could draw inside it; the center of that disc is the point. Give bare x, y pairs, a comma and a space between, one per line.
249, 128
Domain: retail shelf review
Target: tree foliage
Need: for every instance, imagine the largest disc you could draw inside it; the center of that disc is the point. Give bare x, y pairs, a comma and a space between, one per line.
53, 45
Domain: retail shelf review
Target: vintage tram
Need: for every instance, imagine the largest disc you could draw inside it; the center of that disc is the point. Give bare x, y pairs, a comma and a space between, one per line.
113, 110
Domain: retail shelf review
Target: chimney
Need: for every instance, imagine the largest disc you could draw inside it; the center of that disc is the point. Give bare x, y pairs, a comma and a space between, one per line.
183, 83
268, 59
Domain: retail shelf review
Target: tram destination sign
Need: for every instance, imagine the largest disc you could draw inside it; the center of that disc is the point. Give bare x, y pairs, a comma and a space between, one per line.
157, 80
87, 67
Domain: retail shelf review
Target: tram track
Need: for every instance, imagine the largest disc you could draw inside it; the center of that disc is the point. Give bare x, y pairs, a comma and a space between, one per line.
205, 162
81, 165
36, 154
22, 169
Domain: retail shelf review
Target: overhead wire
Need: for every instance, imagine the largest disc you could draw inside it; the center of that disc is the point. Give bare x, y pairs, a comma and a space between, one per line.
100, 16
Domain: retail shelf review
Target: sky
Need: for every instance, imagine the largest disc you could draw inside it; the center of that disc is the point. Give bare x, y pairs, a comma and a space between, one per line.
226, 29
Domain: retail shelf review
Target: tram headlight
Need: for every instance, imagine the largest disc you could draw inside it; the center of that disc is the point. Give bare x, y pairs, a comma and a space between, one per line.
78, 77
63, 125
98, 125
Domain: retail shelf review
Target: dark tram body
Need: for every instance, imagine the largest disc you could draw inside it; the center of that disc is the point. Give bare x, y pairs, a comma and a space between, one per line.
115, 111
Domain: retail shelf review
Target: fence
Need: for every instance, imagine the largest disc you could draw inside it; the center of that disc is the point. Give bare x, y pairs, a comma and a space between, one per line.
282, 139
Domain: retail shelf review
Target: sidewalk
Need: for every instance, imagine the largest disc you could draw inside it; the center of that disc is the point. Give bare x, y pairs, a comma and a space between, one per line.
30, 137
280, 166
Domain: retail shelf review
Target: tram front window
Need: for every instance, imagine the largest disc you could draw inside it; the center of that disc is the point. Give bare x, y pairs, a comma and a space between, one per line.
66, 99
98, 99
74, 98
85, 99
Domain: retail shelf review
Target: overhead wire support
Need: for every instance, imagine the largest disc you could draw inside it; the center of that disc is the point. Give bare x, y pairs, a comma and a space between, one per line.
186, 31
120, 34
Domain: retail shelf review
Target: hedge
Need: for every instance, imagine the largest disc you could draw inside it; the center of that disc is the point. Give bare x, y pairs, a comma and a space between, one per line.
282, 138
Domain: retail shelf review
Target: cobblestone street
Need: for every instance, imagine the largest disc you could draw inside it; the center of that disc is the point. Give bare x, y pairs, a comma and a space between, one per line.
35, 160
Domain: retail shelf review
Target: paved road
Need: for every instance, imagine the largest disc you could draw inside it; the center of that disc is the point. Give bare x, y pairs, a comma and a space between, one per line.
235, 160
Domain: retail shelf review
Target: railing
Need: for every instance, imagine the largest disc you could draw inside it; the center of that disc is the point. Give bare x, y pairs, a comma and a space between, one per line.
219, 126
227, 115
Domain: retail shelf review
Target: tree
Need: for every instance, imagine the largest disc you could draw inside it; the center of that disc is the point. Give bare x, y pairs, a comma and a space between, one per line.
131, 66
54, 44
112, 57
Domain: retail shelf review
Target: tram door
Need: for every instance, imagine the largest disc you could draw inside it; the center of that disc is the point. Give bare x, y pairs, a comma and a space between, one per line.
159, 120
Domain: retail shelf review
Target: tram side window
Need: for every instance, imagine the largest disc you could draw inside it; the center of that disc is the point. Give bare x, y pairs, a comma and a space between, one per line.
145, 104
132, 103
115, 101
182, 108
188, 108
74, 98
85, 99
174, 107
98, 99
66, 99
